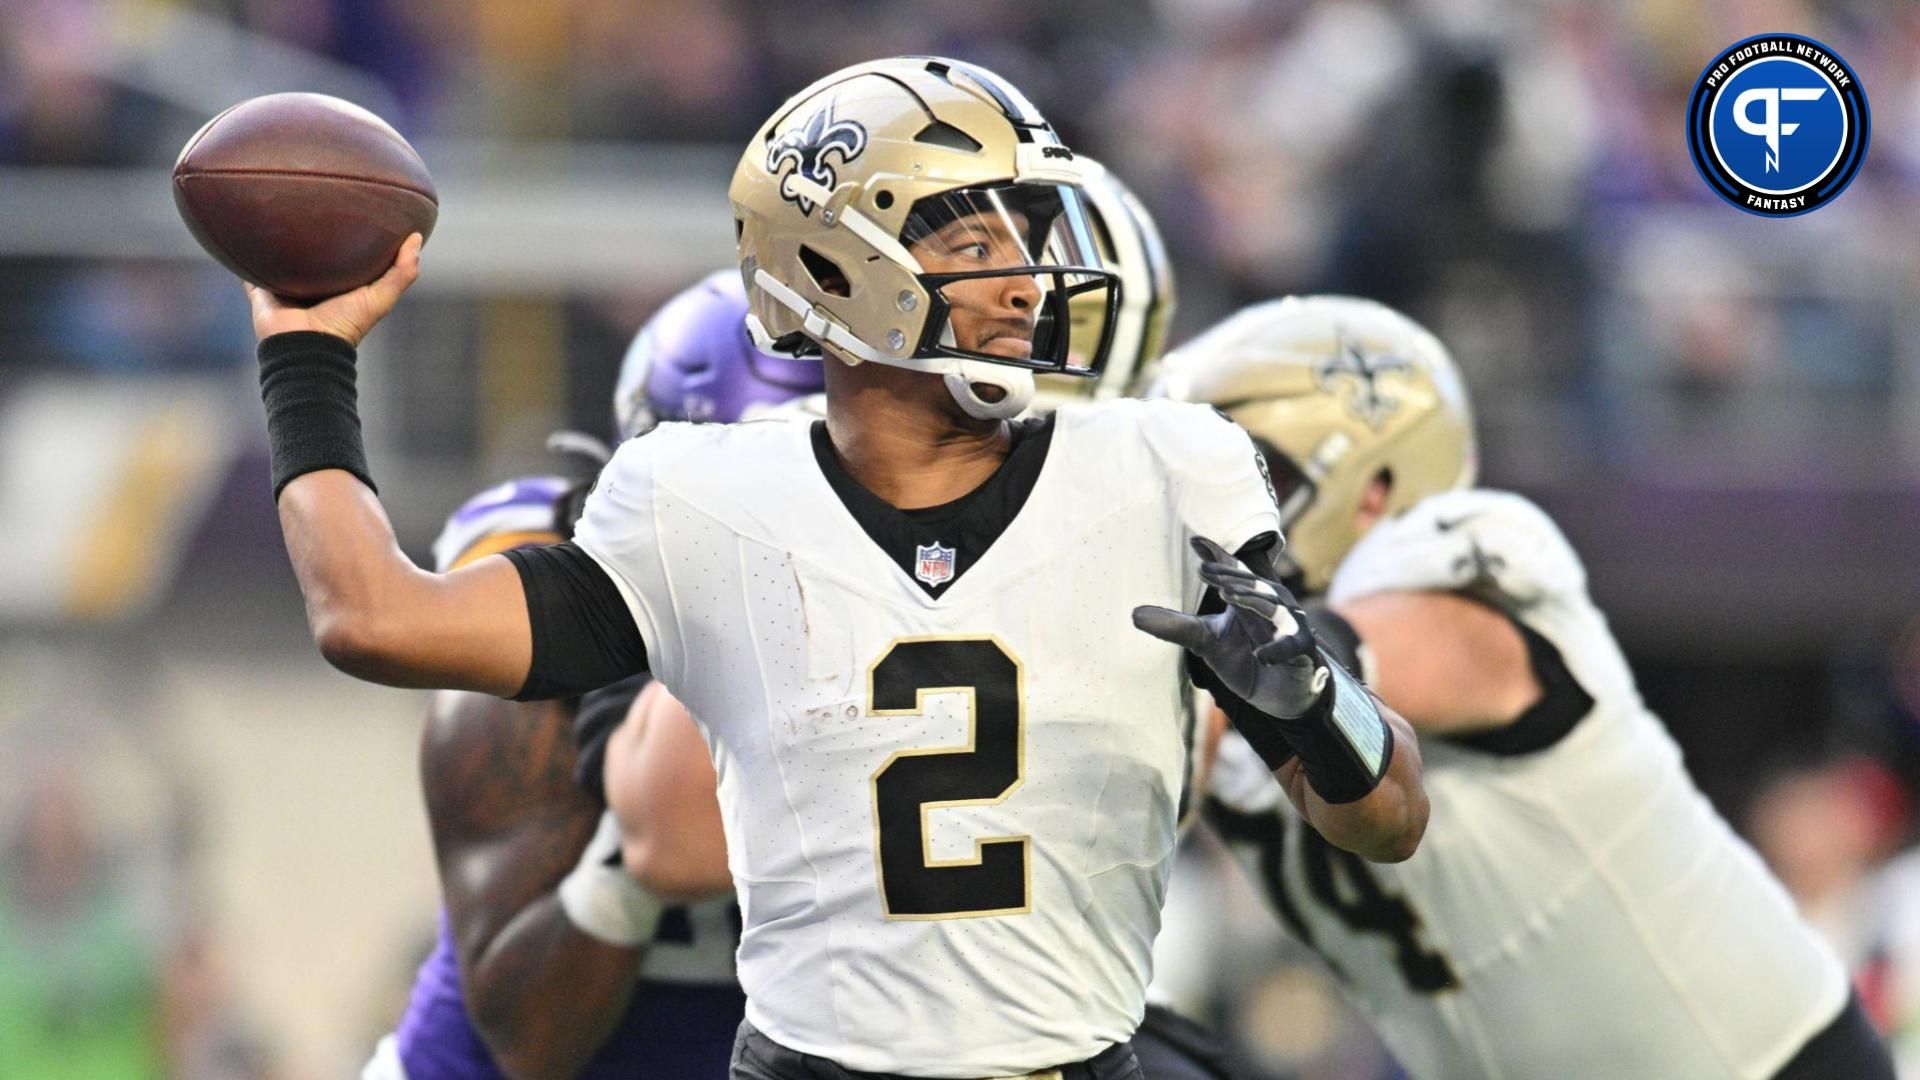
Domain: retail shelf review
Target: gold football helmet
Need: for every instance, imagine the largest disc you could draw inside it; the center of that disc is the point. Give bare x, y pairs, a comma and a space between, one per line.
920, 212
1130, 247
1335, 391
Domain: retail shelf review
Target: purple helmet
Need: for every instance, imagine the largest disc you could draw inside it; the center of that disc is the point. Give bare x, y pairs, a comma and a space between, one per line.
694, 361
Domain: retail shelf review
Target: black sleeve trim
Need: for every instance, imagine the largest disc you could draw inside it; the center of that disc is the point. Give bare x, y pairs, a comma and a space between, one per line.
583, 635
1847, 1047
1562, 705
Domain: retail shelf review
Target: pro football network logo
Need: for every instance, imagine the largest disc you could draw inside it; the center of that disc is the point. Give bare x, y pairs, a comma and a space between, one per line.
806, 147
933, 564
1778, 125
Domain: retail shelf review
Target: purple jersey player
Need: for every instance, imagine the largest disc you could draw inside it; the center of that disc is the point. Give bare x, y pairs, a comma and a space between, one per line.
694, 361
551, 961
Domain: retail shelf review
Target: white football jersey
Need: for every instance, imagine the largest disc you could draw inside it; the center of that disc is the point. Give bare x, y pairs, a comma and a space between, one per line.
1577, 909
949, 818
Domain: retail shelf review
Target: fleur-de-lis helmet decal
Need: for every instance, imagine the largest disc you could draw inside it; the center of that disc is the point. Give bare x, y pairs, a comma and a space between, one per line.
1357, 372
807, 148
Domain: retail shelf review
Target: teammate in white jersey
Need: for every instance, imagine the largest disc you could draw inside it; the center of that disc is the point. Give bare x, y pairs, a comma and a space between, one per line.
1577, 910
948, 766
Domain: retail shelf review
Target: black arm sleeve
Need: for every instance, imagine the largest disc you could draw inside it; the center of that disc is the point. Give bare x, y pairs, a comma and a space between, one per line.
583, 635
307, 380
1562, 705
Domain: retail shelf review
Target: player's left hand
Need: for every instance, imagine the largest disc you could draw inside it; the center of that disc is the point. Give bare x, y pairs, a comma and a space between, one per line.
350, 315
1260, 647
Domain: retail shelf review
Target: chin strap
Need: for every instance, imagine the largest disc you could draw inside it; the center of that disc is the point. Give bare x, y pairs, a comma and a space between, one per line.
1016, 384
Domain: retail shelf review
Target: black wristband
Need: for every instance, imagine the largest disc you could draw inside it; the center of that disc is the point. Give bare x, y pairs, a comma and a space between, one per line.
313, 417
1344, 744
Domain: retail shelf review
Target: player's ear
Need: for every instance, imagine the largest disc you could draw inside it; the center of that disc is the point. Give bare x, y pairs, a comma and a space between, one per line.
1373, 502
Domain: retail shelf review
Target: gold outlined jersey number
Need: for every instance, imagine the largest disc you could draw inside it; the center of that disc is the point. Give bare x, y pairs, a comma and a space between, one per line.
913, 884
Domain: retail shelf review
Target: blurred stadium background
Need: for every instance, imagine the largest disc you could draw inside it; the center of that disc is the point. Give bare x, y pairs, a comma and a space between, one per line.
213, 859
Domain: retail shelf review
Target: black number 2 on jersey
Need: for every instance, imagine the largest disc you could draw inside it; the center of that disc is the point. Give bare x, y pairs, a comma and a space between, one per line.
913, 884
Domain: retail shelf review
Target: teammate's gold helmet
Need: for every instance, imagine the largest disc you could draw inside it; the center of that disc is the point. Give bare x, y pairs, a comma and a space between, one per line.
1130, 247
877, 207
1336, 391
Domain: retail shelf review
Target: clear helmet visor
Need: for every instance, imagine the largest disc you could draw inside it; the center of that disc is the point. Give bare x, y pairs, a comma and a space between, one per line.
1014, 277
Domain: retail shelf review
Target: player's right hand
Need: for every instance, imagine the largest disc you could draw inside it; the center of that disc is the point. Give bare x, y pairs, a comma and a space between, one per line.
350, 315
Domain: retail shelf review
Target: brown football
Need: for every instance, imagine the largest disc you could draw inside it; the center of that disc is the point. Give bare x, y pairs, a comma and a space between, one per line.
305, 194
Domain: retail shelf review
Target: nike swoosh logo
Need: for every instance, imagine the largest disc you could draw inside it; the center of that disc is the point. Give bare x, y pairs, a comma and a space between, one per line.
1448, 526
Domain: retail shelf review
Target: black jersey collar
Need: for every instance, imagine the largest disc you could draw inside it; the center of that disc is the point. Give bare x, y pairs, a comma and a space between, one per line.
934, 545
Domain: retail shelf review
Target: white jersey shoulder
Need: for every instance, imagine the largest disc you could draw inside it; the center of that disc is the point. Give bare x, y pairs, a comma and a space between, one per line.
1222, 490
1465, 540
950, 818
1584, 878
652, 482
1505, 551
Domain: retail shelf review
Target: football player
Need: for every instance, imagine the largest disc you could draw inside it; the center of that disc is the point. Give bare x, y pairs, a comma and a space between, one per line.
1577, 909
551, 960
948, 765
646, 772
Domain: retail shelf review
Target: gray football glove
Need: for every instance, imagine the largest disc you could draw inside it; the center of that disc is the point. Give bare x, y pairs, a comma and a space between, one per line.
1261, 647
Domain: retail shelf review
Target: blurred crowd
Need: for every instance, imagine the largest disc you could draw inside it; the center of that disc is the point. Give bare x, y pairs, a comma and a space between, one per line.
1507, 171
1511, 172
108, 968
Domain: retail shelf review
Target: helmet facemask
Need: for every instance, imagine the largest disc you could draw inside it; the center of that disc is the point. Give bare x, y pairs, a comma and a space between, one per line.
1005, 267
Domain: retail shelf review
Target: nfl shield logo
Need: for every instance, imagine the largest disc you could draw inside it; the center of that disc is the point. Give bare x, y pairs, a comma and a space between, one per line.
933, 564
